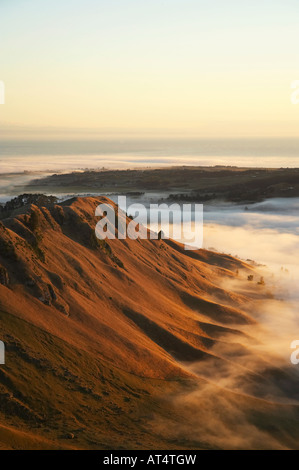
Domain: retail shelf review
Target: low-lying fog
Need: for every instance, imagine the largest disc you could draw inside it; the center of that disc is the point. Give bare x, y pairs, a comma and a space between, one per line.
268, 233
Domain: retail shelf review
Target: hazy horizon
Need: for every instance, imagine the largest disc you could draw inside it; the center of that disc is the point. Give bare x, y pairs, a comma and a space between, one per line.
62, 154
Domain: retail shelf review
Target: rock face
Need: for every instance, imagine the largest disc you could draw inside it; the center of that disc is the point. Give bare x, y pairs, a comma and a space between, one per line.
4, 277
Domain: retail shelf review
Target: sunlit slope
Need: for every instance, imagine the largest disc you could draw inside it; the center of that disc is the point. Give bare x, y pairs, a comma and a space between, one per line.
99, 334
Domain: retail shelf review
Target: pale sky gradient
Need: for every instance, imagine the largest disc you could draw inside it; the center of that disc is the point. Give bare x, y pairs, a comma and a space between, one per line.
209, 68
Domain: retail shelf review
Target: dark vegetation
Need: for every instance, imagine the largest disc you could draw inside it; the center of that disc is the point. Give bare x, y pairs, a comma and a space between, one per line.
199, 184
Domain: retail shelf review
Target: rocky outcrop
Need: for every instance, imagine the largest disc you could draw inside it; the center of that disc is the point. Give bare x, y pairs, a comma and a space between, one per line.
4, 277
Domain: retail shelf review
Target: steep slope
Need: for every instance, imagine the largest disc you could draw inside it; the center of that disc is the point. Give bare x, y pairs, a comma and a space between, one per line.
98, 332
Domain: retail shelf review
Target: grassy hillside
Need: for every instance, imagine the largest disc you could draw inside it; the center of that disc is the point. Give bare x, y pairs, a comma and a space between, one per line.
103, 340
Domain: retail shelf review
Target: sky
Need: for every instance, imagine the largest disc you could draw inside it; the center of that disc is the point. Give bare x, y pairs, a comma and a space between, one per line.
210, 68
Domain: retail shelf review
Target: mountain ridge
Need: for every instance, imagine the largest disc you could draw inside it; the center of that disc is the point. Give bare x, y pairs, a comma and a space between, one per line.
97, 334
